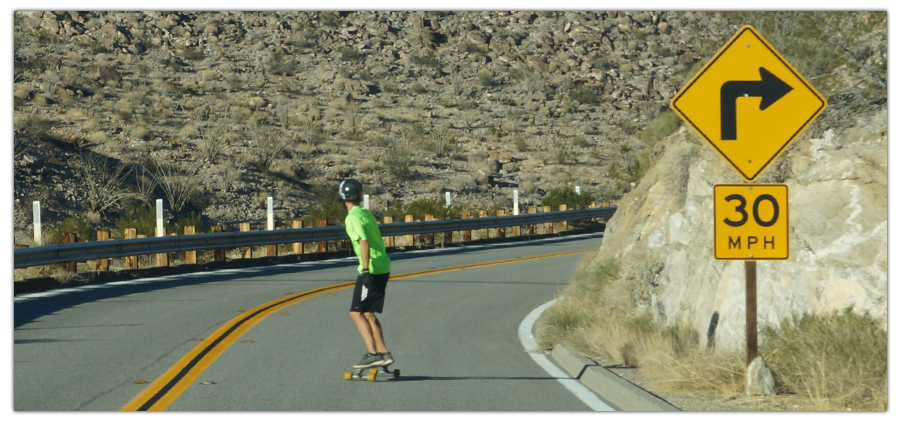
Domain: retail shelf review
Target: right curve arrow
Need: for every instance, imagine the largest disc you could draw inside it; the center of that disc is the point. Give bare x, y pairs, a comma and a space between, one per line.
770, 88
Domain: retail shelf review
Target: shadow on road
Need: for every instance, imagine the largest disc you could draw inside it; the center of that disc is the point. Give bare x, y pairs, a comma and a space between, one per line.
444, 378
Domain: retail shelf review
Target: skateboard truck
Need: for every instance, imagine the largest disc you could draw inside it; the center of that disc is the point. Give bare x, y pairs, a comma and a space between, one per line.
372, 374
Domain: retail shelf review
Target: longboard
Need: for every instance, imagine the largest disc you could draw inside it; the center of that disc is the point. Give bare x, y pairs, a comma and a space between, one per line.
372, 374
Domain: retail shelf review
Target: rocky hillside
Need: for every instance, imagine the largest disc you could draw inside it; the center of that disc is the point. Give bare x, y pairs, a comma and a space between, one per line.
215, 111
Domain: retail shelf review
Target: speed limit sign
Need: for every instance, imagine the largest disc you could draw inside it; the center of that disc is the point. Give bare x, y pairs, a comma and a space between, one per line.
751, 222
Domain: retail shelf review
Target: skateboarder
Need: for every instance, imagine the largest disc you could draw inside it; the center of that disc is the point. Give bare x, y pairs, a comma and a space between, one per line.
374, 272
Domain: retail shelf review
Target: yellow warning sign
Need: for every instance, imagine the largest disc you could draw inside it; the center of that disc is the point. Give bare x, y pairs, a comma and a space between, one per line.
748, 103
751, 222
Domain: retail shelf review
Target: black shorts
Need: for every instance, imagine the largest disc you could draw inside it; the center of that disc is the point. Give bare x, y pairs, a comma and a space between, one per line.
369, 298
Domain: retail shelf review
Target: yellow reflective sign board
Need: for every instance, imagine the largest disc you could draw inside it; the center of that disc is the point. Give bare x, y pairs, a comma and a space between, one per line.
748, 103
751, 222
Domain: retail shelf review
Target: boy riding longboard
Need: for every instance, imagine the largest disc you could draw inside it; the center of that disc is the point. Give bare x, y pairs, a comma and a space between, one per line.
374, 271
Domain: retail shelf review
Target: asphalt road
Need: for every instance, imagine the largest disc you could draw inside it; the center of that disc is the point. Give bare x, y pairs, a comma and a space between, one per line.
453, 336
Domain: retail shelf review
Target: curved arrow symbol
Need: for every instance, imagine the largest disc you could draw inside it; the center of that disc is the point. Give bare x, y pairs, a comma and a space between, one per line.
769, 87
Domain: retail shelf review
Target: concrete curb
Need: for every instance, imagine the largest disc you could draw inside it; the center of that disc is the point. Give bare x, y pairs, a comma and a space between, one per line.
614, 390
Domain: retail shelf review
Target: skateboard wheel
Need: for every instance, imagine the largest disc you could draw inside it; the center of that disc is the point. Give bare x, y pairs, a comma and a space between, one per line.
348, 376
397, 373
371, 377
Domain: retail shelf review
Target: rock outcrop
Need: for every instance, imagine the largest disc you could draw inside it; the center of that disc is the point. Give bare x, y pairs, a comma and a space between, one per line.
838, 230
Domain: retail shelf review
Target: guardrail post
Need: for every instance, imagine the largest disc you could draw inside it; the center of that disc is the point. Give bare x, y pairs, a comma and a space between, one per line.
271, 250
501, 231
218, 253
246, 252
297, 246
322, 245
446, 237
190, 257
103, 264
549, 228
517, 230
69, 238
410, 239
162, 259
565, 224
532, 227
388, 240
131, 262
429, 217
484, 233
466, 234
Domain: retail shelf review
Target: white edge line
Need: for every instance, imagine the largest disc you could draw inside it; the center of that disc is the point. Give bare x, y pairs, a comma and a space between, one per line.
573, 385
32, 296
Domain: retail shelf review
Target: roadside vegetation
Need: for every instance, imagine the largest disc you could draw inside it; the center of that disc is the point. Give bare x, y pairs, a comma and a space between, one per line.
827, 362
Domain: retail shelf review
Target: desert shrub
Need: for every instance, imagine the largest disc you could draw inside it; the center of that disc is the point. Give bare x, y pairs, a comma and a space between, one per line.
661, 127
266, 148
398, 160
33, 125
436, 207
328, 206
103, 183
838, 359
566, 195
180, 188
138, 216
191, 219
213, 138
79, 224
584, 94
280, 64
561, 149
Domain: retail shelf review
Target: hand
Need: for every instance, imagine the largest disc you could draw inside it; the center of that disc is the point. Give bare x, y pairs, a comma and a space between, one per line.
366, 278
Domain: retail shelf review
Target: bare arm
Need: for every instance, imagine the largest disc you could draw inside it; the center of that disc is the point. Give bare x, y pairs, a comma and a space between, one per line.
364, 253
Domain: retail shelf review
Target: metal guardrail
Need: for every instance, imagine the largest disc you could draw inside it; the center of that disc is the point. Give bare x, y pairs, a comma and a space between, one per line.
83, 251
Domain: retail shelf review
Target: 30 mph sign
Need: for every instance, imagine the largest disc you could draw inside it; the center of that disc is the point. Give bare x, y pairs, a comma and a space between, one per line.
751, 222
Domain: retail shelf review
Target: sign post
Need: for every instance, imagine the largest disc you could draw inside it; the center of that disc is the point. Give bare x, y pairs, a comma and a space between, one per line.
749, 104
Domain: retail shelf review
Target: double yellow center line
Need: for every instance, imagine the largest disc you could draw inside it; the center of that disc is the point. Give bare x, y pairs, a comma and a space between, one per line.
168, 387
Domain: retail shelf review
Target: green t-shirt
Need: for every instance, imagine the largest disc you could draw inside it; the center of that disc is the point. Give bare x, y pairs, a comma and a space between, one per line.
361, 226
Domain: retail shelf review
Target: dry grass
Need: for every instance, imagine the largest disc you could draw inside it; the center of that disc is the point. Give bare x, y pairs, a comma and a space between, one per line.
838, 360
823, 362
717, 373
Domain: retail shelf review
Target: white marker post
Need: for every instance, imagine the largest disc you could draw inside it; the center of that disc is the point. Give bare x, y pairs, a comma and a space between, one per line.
37, 223
159, 218
366, 201
515, 202
578, 190
270, 224
447, 196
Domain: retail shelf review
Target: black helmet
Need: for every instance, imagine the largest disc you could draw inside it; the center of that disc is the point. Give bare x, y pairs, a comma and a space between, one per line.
350, 190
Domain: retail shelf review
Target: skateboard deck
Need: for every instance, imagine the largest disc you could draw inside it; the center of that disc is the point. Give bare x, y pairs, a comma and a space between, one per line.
372, 374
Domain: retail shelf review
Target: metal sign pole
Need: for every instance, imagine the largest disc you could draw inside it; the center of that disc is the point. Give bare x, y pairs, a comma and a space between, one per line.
750, 274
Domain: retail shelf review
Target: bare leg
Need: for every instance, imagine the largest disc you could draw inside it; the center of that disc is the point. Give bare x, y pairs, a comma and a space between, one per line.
376, 331
365, 330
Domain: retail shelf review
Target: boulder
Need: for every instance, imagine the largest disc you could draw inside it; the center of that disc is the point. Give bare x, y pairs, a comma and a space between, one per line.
760, 380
